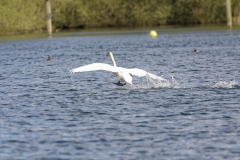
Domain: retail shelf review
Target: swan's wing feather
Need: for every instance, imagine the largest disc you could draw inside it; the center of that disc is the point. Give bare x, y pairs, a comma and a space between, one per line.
156, 77
137, 72
94, 67
142, 73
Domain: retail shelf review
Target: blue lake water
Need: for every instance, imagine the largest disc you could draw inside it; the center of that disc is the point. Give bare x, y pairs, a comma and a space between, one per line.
48, 113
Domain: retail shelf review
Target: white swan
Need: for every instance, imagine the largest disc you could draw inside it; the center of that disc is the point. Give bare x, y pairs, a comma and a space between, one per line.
123, 74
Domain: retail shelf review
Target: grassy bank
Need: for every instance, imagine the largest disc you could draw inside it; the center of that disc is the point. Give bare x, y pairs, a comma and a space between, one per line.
21, 16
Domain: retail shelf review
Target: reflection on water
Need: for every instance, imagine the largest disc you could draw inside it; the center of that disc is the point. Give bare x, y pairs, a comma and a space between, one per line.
47, 113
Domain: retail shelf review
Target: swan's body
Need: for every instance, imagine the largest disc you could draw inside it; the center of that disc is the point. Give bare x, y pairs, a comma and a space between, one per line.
123, 74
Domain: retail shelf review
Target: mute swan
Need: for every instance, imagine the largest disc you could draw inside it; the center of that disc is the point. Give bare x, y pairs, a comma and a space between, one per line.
123, 74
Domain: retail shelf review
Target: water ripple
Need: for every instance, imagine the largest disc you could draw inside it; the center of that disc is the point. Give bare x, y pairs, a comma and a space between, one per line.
47, 113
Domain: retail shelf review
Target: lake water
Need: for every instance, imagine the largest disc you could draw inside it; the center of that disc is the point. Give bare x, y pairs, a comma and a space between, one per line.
48, 113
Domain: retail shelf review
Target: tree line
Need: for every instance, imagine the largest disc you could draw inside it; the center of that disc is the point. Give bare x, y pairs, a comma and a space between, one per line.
21, 16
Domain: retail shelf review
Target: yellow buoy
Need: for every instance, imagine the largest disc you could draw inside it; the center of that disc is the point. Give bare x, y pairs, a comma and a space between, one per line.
153, 34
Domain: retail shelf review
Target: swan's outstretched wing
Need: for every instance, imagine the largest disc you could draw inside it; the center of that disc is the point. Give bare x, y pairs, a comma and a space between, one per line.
94, 67
142, 73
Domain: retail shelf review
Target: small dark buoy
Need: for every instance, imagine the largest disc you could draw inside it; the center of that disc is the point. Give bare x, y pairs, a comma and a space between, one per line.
49, 58
195, 51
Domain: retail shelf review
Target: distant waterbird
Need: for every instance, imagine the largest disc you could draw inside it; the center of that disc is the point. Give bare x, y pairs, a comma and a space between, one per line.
123, 74
49, 58
195, 51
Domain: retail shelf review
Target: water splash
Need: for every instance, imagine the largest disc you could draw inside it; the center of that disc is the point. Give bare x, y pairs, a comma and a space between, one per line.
223, 84
150, 83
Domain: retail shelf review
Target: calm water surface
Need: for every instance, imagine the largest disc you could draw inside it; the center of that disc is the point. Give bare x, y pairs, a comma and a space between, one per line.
47, 113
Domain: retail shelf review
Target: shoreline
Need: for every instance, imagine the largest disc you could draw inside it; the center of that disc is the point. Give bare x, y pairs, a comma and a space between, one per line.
113, 31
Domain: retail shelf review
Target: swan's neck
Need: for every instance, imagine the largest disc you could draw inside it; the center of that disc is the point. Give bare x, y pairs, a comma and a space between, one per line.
113, 61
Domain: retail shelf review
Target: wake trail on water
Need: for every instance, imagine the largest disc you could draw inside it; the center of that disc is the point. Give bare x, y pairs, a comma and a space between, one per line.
150, 83
223, 84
